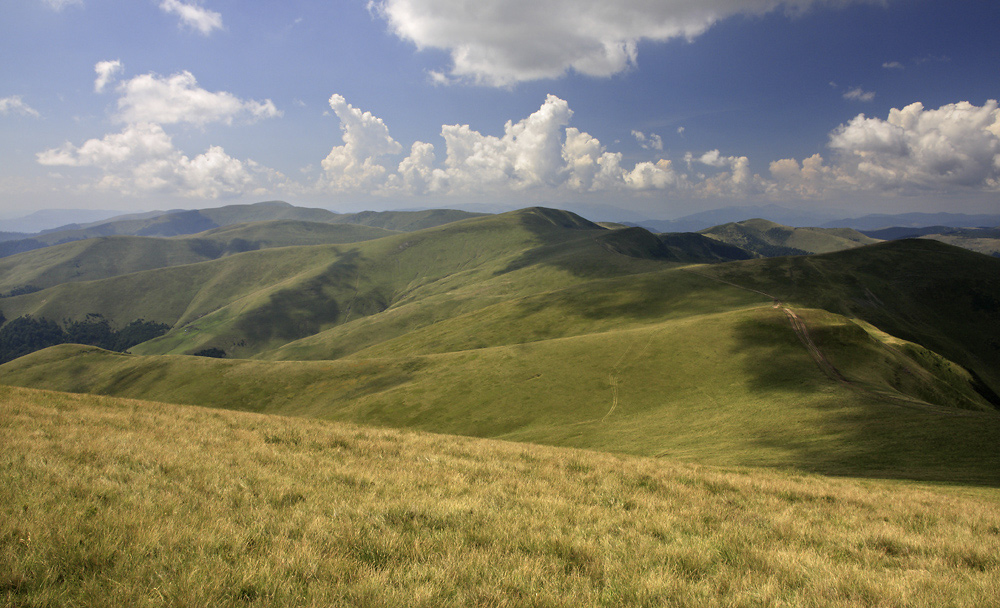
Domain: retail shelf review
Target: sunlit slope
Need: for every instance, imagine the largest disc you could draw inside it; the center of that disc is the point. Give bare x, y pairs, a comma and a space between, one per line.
943, 297
768, 239
105, 257
732, 387
187, 222
412, 281
598, 305
981, 240
262, 299
129, 503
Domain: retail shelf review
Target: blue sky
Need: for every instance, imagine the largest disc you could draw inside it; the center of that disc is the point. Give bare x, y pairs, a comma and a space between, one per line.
656, 109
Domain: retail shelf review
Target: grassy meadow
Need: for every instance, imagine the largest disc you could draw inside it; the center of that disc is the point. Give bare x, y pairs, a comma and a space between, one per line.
119, 502
619, 419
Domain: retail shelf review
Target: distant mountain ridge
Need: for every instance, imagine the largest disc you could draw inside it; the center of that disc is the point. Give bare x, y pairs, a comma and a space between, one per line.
764, 238
917, 220
800, 218
184, 222
47, 219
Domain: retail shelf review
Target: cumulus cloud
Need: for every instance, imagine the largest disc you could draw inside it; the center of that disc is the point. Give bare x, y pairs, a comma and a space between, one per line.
193, 16
106, 71
142, 159
650, 142
354, 165
914, 150
858, 94
528, 154
179, 99
539, 151
956, 145
417, 174
502, 42
14, 105
734, 178
58, 5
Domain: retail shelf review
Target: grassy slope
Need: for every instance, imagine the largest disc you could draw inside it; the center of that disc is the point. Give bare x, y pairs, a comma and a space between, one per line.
519, 326
943, 297
726, 387
407, 221
194, 221
119, 502
985, 241
105, 257
768, 239
258, 300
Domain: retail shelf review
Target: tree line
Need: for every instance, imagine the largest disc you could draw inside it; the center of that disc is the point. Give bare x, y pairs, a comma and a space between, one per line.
27, 334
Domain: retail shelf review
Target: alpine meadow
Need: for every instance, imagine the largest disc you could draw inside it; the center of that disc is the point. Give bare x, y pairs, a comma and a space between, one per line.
517, 409
499, 304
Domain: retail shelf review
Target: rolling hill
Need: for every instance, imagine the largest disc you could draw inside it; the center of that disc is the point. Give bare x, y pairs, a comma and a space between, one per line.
186, 222
105, 257
541, 326
764, 238
982, 240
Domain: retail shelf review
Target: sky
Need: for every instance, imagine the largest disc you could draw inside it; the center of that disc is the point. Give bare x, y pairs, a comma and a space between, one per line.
617, 109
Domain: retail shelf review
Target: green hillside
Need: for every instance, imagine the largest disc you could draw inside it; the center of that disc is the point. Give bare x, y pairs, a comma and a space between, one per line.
943, 297
541, 326
981, 240
105, 257
727, 388
177, 223
258, 300
767, 239
129, 503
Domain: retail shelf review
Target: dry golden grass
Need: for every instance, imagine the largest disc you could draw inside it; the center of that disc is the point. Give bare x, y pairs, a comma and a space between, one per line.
113, 502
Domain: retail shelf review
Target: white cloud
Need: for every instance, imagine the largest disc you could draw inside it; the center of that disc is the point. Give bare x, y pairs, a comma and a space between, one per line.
734, 178
956, 145
58, 5
142, 159
354, 165
416, 172
528, 154
502, 42
857, 94
650, 142
892, 65
193, 16
14, 105
537, 152
809, 179
179, 99
106, 71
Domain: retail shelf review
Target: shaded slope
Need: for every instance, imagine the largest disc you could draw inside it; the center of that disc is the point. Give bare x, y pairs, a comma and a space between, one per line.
540, 326
726, 388
943, 297
768, 239
981, 240
261, 299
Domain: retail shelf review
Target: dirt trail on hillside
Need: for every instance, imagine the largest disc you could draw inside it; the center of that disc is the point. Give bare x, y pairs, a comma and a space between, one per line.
817, 354
831, 371
614, 376
798, 326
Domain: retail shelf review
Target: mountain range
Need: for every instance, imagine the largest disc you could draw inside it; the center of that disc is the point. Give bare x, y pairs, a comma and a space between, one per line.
748, 344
